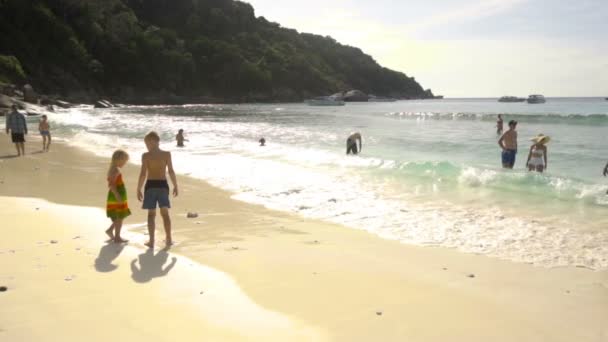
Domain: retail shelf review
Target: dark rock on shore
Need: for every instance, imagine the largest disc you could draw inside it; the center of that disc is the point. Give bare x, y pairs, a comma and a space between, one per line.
103, 104
29, 95
356, 96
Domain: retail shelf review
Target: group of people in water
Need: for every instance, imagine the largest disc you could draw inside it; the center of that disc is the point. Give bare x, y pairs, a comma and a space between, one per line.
537, 156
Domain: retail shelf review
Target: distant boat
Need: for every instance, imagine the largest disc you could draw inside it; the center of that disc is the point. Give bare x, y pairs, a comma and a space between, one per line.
325, 101
536, 99
438, 97
511, 99
374, 98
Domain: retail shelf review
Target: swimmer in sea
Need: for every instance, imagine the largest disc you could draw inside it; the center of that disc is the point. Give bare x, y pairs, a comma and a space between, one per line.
351, 143
262, 141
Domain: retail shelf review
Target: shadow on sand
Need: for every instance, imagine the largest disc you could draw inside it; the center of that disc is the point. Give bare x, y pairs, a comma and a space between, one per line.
151, 265
9, 156
106, 256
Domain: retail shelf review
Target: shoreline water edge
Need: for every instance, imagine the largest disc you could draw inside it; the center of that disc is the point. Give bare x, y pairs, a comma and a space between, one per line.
310, 280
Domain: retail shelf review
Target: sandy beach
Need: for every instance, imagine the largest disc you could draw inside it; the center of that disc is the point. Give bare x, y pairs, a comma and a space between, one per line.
240, 272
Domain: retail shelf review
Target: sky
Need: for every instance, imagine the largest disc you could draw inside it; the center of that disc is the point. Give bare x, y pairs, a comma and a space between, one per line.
468, 48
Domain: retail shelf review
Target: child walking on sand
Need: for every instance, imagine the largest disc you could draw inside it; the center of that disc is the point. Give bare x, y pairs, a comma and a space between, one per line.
45, 132
155, 164
117, 208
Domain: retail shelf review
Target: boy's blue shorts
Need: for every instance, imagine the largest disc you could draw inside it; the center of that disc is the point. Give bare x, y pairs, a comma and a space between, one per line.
508, 157
156, 196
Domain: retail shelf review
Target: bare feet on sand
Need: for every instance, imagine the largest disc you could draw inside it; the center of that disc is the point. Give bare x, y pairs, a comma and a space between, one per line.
110, 233
150, 244
118, 239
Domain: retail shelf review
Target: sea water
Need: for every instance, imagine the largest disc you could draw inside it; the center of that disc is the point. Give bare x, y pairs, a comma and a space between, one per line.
429, 172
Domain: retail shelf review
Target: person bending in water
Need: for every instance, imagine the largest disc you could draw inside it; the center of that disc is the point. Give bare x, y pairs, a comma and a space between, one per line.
155, 164
537, 158
351, 143
499, 125
508, 144
180, 138
262, 141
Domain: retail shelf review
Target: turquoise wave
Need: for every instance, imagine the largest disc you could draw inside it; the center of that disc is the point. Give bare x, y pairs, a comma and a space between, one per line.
569, 119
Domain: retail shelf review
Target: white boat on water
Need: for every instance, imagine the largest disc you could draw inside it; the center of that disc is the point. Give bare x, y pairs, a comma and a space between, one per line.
325, 101
536, 99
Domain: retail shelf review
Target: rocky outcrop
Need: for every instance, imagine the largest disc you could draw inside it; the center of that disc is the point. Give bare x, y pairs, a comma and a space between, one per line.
103, 104
8, 89
29, 95
356, 96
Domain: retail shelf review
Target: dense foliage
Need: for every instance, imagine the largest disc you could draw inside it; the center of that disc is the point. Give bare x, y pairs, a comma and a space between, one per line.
130, 49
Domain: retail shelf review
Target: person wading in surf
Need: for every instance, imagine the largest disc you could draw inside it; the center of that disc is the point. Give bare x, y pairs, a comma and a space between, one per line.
351, 143
508, 144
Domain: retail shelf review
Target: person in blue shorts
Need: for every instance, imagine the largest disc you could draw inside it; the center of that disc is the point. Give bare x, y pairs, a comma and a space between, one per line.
155, 165
508, 144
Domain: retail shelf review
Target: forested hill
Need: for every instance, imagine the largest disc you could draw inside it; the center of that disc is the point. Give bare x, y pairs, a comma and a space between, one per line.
157, 49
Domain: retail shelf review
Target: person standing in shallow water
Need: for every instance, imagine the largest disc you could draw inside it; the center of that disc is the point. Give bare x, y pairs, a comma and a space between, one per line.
508, 144
499, 125
351, 143
262, 141
180, 138
537, 158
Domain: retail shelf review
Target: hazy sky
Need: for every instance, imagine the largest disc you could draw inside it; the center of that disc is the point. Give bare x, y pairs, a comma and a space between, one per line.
468, 48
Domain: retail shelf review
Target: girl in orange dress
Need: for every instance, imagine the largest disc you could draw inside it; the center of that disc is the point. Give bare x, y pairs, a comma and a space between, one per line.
117, 207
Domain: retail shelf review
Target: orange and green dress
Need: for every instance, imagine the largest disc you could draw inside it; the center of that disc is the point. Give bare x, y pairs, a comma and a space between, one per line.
115, 210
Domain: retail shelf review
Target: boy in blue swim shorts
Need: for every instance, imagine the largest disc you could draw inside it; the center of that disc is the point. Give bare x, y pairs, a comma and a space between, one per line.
155, 164
508, 144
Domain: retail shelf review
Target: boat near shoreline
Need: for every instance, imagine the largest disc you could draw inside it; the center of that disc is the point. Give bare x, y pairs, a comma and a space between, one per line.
536, 99
511, 99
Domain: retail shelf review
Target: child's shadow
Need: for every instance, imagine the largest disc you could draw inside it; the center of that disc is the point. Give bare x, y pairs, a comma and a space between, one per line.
107, 254
151, 266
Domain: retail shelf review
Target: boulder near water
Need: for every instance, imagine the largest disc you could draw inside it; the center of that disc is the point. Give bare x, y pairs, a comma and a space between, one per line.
103, 104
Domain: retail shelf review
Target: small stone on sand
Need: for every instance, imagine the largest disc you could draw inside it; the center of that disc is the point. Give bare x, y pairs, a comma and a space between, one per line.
76, 237
202, 292
379, 313
445, 268
192, 215
3, 288
471, 275
54, 241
